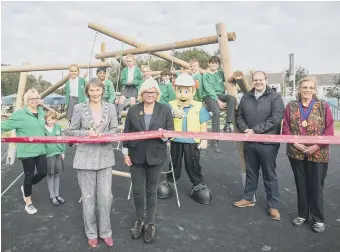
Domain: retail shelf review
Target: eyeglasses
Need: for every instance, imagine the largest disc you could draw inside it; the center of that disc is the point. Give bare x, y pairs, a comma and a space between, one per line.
307, 88
150, 93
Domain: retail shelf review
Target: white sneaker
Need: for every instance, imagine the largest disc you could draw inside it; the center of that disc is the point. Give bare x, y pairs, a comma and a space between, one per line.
23, 193
31, 209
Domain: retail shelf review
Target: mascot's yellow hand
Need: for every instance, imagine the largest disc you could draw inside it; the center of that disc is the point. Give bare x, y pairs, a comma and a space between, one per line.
203, 145
178, 113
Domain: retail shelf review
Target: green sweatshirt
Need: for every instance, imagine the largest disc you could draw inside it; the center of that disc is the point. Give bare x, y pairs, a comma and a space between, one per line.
198, 95
54, 149
109, 93
137, 77
167, 92
213, 84
25, 123
81, 90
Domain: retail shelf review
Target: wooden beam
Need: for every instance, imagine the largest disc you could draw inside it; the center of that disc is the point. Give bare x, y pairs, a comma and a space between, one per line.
11, 153
241, 81
133, 42
103, 49
61, 116
55, 86
165, 47
30, 68
228, 73
49, 109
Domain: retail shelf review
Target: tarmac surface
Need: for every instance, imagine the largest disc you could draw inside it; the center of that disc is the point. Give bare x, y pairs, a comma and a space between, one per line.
192, 227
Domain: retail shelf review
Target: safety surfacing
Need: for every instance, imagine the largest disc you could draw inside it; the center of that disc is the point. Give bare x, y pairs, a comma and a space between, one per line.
192, 227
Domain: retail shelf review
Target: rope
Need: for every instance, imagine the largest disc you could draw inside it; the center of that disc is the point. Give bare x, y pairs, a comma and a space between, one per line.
172, 58
88, 67
120, 64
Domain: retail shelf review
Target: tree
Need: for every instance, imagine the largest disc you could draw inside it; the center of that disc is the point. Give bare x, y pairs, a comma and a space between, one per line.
300, 72
335, 91
10, 82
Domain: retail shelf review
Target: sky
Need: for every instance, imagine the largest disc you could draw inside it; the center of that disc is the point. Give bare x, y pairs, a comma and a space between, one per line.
267, 32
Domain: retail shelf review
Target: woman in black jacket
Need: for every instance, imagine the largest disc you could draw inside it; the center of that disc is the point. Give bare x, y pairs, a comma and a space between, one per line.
146, 157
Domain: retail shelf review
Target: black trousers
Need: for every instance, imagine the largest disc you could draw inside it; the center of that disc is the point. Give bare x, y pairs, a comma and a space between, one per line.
261, 155
191, 162
309, 181
29, 164
215, 109
145, 179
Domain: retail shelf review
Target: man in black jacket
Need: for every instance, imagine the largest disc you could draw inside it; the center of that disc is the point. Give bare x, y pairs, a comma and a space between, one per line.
261, 112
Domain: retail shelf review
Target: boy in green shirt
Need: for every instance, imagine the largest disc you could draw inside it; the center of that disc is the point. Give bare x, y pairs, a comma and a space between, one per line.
214, 96
167, 90
109, 93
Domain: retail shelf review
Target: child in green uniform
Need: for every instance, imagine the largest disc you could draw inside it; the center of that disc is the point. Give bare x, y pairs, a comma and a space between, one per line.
213, 93
130, 79
167, 90
109, 93
75, 90
55, 154
195, 73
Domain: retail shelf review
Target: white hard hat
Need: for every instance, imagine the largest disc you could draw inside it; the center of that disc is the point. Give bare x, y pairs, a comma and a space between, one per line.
185, 80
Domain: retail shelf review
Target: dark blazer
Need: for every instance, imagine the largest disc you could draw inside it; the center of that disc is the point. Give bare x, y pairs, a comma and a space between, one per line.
264, 115
151, 151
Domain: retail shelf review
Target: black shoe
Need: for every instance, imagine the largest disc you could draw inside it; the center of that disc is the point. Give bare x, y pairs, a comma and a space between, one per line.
55, 202
228, 128
60, 199
201, 194
149, 233
216, 147
136, 231
166, 189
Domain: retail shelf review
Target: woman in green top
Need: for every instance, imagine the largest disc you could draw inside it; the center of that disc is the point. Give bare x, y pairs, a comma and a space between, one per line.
55, 154
29, 121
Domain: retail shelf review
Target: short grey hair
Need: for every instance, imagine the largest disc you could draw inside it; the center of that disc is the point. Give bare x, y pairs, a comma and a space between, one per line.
147, 84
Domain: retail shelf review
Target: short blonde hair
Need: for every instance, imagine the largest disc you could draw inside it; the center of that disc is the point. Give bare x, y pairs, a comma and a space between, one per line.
29, 93
150, 83
131, 56
145, 68
51, 114
74, 65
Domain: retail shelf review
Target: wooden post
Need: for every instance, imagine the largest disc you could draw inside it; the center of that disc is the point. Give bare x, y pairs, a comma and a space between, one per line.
165, 47
103, 50
18, 105
30, 68
241, 81
230, 87
55, 86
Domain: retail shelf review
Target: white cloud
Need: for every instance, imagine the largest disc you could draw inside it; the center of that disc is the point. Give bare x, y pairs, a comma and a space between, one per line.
57, 32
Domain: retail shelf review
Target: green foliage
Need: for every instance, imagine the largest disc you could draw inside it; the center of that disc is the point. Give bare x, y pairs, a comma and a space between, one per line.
335, 91
10, 82
300, 72
201, 55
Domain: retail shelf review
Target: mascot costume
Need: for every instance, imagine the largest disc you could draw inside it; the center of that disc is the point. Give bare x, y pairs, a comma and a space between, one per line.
189, 116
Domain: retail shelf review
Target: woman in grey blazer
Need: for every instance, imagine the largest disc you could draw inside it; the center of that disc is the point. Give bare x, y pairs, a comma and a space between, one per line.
94, 161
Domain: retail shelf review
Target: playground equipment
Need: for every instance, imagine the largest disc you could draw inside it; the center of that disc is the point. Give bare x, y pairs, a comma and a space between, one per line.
222, 38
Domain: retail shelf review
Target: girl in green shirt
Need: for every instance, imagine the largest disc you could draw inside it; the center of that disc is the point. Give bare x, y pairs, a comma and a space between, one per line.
55, 154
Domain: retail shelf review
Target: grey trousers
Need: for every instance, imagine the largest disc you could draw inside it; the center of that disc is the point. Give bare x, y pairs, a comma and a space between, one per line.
96, 184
